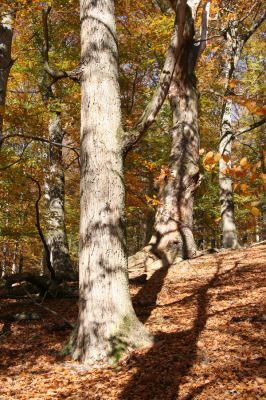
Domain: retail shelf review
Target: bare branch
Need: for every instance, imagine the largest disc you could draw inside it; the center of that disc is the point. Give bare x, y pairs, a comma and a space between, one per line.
243, 130
250, 127
39, 228
156, 102
55, 74
247, 144
19, 159
248, 13
38, 139
254, 27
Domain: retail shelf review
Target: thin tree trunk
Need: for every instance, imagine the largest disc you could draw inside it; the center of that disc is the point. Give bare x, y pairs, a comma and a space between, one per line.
4, 260
55, 195
15, 262
55, 177
225, 182
107, 324
6, 36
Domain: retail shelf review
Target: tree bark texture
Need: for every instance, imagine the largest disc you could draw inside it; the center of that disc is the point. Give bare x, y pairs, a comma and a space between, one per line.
107, 324
55, 178
6, 35
225, 182
233, 47
174, 217
55, 198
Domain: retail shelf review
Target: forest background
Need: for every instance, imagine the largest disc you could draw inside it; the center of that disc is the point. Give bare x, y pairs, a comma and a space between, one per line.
34, 97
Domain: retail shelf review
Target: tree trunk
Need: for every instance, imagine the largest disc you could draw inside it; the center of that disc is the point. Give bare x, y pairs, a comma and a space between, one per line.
55, 194
174, 217
6, 35
107, 324
226, 192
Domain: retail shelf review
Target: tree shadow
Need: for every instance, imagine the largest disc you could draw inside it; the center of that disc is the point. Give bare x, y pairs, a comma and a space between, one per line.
166, 365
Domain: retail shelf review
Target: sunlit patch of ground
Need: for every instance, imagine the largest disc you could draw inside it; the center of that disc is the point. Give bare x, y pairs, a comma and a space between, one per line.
208, 319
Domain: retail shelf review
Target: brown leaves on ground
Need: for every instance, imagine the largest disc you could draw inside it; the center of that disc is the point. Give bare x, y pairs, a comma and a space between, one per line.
208, 320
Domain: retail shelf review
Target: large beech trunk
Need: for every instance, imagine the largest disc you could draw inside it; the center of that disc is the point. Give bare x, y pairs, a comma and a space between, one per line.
225, 182
55, 195
6, 35
107, 324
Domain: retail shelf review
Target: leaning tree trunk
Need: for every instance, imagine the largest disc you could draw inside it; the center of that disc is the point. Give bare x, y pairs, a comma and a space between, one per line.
55, 198
107, 324
173, 236
6, 35
225, 182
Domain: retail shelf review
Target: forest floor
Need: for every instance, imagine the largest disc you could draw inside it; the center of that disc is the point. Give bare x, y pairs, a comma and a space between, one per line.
208, 319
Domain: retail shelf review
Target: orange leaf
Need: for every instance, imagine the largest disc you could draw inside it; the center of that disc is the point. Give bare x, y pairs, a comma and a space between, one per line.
226, 158
255, 211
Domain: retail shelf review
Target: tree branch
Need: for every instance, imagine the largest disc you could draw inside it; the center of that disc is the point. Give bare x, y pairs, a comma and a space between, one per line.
148, 117
55, 74
250, 127
243, 130
38, 139
254, 27
39, 228
17, 161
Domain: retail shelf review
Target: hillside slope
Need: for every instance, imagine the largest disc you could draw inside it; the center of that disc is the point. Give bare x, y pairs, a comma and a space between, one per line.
208, 319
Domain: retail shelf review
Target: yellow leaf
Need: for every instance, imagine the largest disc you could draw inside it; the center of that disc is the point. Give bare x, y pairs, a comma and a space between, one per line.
244, 162
208, 159
263, 177
233, 83
255, 211
217, 157
202, 151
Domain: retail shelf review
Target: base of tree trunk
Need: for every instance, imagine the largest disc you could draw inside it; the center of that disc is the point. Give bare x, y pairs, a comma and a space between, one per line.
150, 259
230, 241
128, 335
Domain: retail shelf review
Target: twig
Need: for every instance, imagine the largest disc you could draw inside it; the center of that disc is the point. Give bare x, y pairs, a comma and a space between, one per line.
38, 139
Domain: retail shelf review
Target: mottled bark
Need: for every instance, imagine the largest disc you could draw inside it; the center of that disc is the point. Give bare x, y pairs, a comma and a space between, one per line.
6, 35
236, 35
55, 177
55, 195
174, 217
233, 48
225, 182
107, 324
